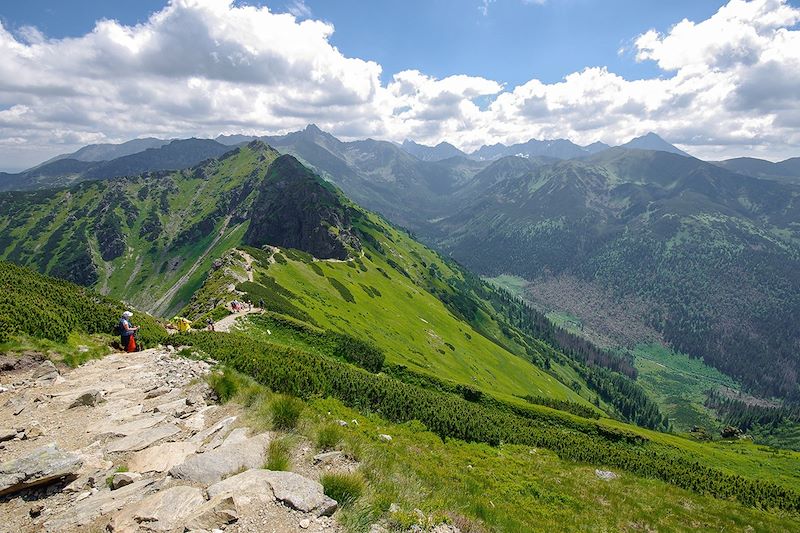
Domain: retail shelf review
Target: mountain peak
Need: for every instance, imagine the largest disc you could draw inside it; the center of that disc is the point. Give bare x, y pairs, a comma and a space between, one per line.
652, 141
297, 209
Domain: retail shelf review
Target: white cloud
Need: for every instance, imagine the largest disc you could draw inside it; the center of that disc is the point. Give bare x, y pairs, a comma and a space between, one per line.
204, 67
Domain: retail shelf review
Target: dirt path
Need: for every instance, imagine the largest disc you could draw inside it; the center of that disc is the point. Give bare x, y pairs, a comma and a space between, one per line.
146, 448
225, 324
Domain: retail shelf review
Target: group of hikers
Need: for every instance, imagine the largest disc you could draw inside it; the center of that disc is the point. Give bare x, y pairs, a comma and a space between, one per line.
128, 331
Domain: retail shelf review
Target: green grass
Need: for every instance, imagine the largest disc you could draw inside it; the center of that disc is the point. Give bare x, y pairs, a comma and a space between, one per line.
678, 384
345, 488
416, 329
509, 488
286, 412
329, 436
279, 454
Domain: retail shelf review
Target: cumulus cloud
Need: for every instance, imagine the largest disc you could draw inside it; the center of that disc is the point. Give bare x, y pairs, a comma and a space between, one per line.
204, 67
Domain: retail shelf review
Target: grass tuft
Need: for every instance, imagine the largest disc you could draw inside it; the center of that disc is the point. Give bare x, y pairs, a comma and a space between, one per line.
279, 454
328, 436
286, 412
343, 487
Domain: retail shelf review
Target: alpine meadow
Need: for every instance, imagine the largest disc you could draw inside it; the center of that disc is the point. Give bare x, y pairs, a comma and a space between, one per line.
447, 267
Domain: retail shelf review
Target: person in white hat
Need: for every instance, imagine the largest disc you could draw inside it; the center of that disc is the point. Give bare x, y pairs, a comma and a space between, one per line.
127, 332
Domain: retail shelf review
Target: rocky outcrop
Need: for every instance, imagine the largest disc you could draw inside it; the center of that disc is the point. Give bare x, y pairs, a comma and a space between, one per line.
41, 466
212, 466
297, 209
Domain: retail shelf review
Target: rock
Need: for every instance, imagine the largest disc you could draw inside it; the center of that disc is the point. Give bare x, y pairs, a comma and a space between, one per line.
101, 503
41, 466
17, 404
212, 466
385, 438
133, 426
325, 458
143, 439
7, 434
47, 371
175, 408
155, 393
605, 475
304, 523
162, 457
235, 436
214, 514
163, 511
219, 426
33, 431
294, 490
87, 399
35, 510
123, 479
342, 423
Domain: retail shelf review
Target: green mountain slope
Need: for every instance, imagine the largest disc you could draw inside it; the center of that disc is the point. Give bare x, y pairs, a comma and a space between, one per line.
707, 258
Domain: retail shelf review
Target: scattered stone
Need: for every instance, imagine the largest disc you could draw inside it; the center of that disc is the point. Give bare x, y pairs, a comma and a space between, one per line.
162, 457
385, 438
7, 434
342, 423
87, 399
40, 467
606, 475
45, 372
139, 441
393, 508
133, 426
219, 426
82, 348
212, 466
17, 404
122, 479
33, 431
304, 523
327, 457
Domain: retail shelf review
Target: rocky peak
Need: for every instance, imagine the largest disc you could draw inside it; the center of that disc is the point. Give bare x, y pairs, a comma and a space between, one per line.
295, 208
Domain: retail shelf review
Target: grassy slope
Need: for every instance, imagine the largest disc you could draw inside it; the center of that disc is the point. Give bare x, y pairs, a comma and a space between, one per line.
415, 327
140, 275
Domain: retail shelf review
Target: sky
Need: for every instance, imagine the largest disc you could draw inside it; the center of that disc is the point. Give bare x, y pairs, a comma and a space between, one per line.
718, 79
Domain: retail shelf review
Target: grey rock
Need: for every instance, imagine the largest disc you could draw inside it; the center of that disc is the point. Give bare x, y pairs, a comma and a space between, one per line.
290, 488
7, 434
123, 479
40, 467
138, 441
385, 438
162, 457
174, 408
133, 426
100, 503
163, 511
87, 399
213, 515
606, 475
219, 426
212, 466
155, 393
47, 371
304, 523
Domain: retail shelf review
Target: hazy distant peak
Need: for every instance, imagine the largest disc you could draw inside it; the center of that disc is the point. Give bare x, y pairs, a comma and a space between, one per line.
651, 141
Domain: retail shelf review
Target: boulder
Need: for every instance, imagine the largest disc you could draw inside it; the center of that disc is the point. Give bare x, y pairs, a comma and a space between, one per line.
87, 399
7, 434
292, 489
132, 426
212, 466
327, 457
213, 515
41, 466
45, 372
123, 479
162, 457
385, 438
165, 510
175, 408
138, 441
201, 437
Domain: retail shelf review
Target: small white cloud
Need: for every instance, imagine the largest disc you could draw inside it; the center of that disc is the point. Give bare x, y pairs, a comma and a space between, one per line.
299, 9
484, 7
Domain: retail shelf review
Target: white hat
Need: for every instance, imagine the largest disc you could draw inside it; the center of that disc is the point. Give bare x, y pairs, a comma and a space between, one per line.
127, 314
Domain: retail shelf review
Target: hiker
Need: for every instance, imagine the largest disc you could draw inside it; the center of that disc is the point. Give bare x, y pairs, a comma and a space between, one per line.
249, 306
127, 332
210, 324
261, 303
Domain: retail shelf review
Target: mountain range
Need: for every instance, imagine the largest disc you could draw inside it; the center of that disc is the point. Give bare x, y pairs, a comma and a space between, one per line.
702, 257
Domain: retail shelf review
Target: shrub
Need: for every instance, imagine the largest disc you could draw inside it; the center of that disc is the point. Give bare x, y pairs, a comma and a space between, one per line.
343, 487
328, 436
344, 292
225, 384
286, 412
279, 454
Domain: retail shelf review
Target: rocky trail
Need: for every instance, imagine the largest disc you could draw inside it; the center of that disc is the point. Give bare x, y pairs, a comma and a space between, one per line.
136, 442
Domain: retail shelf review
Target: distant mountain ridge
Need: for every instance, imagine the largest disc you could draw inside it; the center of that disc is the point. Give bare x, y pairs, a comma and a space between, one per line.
787, 170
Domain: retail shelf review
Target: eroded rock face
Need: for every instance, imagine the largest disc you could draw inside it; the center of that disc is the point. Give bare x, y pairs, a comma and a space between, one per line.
43, 465
297, 209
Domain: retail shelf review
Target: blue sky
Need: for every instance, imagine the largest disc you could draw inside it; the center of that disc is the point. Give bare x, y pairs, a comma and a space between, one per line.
717, 78
512, 42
